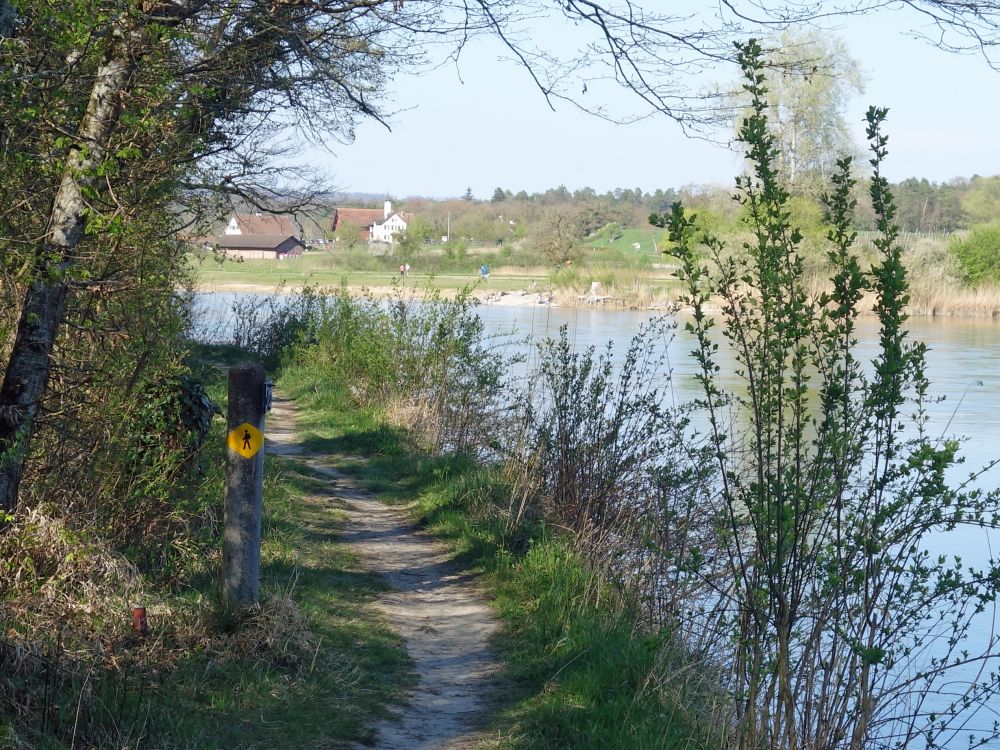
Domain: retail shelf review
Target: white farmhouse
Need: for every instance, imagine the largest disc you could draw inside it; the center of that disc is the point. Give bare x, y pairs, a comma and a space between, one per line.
384, 226
392, 225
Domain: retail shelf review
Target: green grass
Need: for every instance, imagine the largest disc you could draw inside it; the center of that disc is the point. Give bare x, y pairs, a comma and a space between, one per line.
317, 666
317, 672
314, 666
579, 673
979, 254
319, 270
359, 269
271, 694
603, 241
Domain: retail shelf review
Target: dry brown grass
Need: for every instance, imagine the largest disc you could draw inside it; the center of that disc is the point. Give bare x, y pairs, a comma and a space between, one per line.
948, 300
66, 636
58, 579
937, 298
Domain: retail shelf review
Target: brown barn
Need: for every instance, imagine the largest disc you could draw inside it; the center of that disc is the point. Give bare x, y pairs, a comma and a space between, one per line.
260, 246
259, 223
260, 237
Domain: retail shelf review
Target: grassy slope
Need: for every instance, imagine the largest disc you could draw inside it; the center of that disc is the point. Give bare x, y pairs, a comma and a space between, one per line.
629, 237
327, 687
580, 676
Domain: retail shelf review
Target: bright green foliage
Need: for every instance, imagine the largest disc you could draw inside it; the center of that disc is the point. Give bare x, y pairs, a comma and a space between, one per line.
267, 330
979, 254
411, 243
582, 673
981, 201
829, 491
429, 358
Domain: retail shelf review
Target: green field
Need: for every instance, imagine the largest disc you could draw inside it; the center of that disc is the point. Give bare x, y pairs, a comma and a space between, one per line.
632, 277
320, 269
603, 241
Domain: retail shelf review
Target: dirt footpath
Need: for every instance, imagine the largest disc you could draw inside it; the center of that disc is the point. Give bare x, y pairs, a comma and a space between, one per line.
436, 608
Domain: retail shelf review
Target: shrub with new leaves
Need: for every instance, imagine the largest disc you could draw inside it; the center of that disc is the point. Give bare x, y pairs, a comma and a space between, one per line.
836, 624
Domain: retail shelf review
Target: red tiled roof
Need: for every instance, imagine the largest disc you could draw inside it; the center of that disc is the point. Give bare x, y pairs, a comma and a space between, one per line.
362, 218
267, 224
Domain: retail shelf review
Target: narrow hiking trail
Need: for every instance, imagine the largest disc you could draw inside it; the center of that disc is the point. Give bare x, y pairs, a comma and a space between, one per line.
433, 605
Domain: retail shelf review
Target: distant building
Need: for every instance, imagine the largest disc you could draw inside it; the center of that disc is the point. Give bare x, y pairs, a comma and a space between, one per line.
374, 225
260, 246
259, 223
260, 237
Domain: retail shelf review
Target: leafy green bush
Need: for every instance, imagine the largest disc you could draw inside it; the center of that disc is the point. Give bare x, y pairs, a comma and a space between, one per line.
832, 622
267, 329
596, 435
426, 360
979, 254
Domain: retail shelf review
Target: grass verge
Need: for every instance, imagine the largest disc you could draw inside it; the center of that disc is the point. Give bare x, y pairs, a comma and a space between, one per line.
345, 669
313, 666
581, 672
319, 666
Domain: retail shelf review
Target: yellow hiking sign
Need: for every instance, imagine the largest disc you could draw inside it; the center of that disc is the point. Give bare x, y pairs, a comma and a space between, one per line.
246, 440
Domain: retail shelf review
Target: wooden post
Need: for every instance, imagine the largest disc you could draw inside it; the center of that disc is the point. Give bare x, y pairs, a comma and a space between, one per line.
244, 484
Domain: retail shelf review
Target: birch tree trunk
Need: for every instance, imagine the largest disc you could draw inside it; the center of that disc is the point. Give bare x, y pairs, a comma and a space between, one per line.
44, 304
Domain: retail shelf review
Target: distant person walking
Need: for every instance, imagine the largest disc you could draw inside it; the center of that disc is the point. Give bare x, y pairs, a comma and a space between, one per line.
484, 272
406, 269
402, 270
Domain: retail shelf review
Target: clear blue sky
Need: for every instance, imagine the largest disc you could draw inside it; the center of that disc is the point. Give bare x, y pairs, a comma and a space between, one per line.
482, 124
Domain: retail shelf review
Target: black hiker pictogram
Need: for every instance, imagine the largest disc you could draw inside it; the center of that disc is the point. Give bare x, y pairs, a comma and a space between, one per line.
246, 440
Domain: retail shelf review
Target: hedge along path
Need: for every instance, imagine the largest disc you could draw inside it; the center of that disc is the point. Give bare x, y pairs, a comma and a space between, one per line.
437, 609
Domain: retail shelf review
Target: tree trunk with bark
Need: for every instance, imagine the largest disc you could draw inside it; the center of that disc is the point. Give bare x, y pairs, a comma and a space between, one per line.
44, 304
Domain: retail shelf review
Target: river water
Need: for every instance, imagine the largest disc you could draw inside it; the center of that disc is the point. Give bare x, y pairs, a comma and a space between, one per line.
963, 366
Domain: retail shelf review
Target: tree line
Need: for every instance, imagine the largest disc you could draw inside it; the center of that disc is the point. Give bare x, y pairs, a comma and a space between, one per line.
922, 206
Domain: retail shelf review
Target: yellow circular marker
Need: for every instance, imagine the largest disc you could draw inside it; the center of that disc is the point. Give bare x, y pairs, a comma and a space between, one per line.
246, 440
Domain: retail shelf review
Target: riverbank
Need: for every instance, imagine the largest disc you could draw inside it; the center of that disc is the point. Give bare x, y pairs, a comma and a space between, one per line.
506, 286
415, 289
580, 670
940, 301
578, 287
